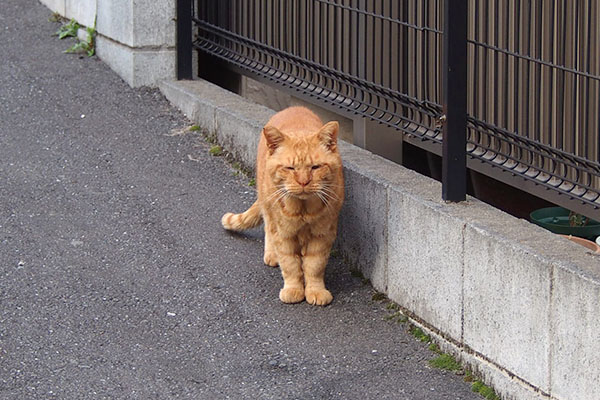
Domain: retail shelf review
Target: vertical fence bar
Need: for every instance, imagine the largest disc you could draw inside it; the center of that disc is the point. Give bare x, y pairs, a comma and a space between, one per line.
359, 125
184, 39
454, 158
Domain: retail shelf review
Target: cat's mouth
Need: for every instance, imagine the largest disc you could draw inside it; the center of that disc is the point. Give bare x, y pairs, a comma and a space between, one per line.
303, 195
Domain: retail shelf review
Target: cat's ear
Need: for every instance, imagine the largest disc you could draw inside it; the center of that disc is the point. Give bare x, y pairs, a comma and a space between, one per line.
328, 135
274, 137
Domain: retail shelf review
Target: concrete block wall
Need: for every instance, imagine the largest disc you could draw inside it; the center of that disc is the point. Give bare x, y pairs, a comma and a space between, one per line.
135, 38
515, 302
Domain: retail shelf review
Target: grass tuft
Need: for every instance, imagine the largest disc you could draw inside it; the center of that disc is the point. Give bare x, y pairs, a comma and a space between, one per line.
445, 362
215, 150
419, 334
484, 390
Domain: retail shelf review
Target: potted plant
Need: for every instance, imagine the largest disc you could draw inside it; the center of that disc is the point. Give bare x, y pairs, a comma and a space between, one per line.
562, 221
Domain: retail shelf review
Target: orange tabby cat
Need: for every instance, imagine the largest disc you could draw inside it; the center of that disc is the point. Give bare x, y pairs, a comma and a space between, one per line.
300, 193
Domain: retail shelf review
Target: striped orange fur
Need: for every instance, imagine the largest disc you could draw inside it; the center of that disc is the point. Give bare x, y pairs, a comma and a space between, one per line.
300, 192
248, 219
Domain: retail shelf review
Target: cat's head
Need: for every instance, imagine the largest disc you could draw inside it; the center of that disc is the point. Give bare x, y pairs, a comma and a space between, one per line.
303, 165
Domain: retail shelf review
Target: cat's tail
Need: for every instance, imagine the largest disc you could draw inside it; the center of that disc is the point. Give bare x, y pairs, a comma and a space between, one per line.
246, 220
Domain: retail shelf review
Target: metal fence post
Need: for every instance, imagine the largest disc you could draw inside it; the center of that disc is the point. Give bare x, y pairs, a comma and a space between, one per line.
359, 126
184, 39
454, 157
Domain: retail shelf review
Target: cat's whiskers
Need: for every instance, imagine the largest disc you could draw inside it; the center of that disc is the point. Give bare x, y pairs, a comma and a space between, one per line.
276, 196
277, 193
282, 193
329, 192
326, 195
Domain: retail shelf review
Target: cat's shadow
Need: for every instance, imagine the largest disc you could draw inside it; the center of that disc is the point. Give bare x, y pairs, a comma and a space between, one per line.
256, 234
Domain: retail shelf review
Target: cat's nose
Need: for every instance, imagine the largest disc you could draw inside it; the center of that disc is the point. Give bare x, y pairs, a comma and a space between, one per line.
303, 179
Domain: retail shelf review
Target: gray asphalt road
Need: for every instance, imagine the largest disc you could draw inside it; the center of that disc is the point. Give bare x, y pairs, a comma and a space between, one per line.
116, 280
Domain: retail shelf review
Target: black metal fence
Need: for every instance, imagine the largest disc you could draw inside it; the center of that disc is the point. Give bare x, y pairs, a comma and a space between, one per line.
515, 83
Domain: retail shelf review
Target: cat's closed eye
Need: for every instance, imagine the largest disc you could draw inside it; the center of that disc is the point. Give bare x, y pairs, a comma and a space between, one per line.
316, 167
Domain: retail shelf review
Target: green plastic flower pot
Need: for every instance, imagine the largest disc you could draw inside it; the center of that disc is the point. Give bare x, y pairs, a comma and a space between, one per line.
556, 219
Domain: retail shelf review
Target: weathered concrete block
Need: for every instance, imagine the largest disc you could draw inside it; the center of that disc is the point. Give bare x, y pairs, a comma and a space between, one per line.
244, 133
576, 331
135, 23
235, 131
192, 98
363, 234
83, 11
507, 289
148, 30
115, 21
362, 227
137, 67
152, 66
426, 260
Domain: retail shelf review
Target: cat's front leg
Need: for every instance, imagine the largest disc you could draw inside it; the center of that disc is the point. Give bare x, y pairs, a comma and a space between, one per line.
291, 270
314, 262
270, 255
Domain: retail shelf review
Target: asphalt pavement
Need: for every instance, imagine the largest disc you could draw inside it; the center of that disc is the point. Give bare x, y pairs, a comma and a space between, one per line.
116, 278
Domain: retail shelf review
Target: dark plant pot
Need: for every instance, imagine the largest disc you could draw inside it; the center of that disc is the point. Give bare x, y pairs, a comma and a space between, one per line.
556, 220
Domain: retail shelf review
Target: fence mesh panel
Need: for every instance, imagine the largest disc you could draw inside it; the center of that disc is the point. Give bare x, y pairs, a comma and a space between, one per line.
533, 73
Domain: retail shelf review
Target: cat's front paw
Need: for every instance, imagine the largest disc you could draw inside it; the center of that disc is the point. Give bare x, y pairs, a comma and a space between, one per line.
270, 259
291, 295
318, 297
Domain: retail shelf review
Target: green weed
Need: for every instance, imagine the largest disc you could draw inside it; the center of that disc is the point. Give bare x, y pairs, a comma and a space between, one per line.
68, 30
435, 348
419, 334
484, 390
215, 150
445, 362
87, 46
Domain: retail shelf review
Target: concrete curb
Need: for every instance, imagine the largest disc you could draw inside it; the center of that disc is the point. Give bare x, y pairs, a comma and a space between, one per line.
517, 303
